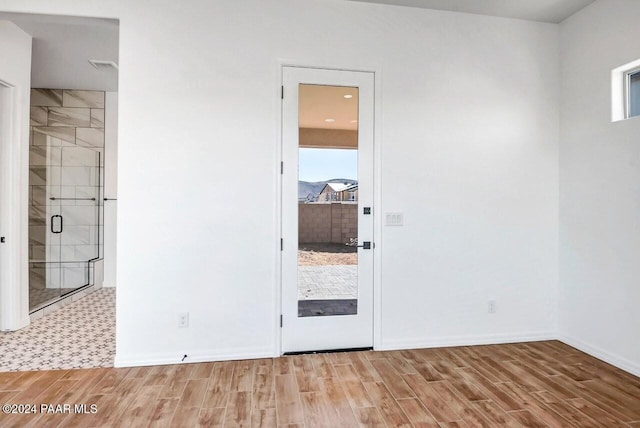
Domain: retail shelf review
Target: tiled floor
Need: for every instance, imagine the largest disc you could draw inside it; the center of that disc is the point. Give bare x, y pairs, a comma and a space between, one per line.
80, 335
327, 282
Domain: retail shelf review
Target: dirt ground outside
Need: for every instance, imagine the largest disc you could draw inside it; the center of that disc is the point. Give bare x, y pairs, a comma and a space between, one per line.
326, 254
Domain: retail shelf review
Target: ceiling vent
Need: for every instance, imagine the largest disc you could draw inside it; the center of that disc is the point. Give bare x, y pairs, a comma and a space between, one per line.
103, 65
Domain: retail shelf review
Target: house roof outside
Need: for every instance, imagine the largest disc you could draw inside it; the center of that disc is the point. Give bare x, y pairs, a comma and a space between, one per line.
340, 187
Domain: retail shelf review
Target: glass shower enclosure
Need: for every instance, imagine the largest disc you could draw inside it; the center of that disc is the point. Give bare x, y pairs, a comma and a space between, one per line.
65, 219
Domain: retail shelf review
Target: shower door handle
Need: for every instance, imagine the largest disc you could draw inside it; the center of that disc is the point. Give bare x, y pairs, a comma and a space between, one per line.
53, 217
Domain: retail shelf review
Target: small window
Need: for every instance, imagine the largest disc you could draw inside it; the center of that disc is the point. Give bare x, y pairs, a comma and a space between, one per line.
625, 91
633, 93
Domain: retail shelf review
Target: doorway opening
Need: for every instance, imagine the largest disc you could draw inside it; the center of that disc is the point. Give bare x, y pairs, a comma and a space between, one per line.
72, 155
71, 192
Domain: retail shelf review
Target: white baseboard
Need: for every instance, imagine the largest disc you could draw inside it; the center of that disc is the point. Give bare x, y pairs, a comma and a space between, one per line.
488, 339
607, 357
25, 321
165, 358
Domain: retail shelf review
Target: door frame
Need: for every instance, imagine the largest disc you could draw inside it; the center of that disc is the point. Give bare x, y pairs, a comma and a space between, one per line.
14, 155
377, 212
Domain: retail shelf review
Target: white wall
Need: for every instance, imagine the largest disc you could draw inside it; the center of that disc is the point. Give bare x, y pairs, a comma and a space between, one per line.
599, 188
469, 136
469, 154
14, 175
110, 188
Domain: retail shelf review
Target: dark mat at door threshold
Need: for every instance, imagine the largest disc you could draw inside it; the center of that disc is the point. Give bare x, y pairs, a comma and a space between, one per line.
326, 308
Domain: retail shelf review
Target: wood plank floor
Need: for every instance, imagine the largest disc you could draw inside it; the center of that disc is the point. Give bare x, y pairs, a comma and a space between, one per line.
540, 384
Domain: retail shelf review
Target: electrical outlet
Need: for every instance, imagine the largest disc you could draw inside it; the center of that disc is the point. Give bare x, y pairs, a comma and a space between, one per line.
183, 320
492, 307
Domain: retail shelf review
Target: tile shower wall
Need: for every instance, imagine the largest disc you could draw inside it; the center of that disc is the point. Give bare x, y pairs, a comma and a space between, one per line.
67, 136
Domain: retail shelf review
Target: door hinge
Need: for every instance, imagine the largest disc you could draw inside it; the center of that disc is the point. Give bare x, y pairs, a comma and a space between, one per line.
281, 244
282, 92
281, 168
280, 320
2, 239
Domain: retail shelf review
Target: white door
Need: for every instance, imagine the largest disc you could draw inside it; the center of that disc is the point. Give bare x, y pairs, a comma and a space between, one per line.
327, 209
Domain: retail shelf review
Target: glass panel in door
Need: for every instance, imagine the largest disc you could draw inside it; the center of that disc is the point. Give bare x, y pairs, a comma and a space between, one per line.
45, 222
328, 201
80, 211
64, 219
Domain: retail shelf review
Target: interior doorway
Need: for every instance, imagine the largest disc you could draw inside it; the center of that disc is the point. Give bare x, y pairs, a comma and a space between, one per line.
72, 154
327, 289
58, 310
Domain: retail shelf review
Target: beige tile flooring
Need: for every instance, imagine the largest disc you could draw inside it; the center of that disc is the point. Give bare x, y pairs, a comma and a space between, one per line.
80, 335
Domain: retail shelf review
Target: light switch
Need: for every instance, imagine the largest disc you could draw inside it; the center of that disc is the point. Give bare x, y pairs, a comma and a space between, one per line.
394, 219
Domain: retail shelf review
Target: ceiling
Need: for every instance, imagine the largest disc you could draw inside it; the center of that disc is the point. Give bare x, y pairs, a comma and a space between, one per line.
62, 47
553, 11
325, 107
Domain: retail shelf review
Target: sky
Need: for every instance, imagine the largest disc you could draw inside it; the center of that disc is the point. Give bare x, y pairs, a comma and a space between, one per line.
325, 164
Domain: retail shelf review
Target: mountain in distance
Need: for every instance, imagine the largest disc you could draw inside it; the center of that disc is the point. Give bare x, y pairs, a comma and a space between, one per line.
310, 190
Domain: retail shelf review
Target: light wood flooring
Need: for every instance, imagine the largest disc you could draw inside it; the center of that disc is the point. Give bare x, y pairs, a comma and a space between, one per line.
529, 384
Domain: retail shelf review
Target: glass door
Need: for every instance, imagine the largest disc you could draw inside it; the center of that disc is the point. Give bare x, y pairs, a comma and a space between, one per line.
327, 273
65, 226
80, 204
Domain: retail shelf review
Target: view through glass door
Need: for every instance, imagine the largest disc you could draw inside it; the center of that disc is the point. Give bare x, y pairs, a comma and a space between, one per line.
327, 210
328, 201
